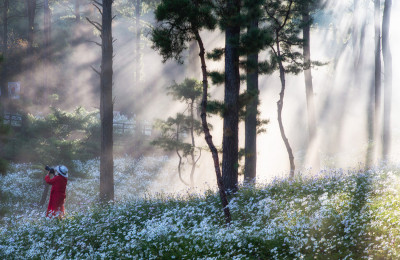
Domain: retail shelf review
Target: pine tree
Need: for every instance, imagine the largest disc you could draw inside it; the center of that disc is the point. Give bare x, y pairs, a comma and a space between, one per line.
280, 15
179, 22
106, 100
176, 130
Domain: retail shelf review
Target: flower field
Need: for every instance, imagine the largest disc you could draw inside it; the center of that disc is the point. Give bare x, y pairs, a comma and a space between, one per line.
336, 214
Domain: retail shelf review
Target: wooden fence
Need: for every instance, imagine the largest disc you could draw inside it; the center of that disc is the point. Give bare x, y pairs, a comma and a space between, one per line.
14, 120
130, 128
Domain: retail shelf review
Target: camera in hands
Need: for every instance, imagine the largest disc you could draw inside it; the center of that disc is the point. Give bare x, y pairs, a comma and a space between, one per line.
51, 170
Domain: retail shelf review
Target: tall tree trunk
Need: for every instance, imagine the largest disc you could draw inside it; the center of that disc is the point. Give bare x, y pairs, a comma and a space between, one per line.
193, 70
47, 39
250, 161
31, 12
280, 107
192, 154
207, 134
138, 10
374, 105
387, 60
231, 99
106, 105
312, 125
3, 82
77, 11
378, 68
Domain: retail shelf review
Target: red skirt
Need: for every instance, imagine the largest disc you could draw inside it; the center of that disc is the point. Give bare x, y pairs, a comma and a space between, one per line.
56, 205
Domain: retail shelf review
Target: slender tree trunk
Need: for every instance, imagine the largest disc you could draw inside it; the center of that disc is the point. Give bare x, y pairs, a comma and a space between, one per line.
207, 134
44, 193
31, 12
138, 11
378, 67
230, 138
387, 60
106, 105
312, 125
4, 87
47, 42
250, 161
280, 107
192, 69
77, 11
180, 157
374, 105
193, 143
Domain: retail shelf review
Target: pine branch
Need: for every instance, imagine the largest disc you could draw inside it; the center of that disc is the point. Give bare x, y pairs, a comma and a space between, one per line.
98, 6
94, 42
95, 24
95, 70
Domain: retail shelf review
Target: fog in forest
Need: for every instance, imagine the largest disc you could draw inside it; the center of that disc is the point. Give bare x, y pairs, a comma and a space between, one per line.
341, 102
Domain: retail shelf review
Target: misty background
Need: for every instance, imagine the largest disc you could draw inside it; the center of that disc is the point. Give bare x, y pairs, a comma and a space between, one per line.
69, 80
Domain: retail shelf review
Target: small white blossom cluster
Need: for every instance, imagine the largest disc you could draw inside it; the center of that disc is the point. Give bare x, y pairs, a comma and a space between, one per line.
337, 214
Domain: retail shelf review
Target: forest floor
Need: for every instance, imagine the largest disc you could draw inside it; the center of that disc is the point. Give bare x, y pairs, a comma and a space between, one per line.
335, 214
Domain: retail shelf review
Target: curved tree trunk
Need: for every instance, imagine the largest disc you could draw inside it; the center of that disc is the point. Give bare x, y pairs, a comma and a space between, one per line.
180, 157
387, 60
207, 134
280, 107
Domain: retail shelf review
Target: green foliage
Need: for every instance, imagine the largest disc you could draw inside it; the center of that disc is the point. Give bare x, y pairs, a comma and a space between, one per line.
216, 54
60, 137
217, 78
178, 22
216, 107
176, 129
188, 91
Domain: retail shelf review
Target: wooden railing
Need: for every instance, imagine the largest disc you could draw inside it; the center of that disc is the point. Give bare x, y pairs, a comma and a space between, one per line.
14, 120
130, 128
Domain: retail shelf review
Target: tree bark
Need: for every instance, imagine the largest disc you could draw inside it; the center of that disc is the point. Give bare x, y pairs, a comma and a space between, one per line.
387, 60
46, 188
231, 99
312, 125
206, 131
192, 155
250, 161
47, 39
378, 65
138, 11
280, 107
77, 11
106, 105
4, 84
180, 157
31, 12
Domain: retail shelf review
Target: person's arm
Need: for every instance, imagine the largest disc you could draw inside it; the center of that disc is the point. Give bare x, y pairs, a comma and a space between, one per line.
50, 180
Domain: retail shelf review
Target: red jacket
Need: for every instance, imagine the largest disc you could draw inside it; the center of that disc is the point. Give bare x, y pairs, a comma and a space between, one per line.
57, 195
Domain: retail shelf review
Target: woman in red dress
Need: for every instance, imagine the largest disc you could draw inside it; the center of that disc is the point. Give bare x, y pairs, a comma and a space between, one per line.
57, 194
